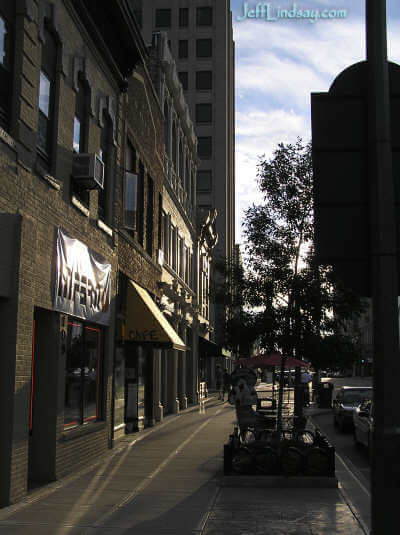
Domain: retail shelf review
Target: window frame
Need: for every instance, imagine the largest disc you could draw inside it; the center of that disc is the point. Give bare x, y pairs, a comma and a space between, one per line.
7, 66
199, 76
162, 12
185, 81
208, 155
99, 416
202, 42
198, 180
183, 48
204, 9
183, 17
208, 116
48, 70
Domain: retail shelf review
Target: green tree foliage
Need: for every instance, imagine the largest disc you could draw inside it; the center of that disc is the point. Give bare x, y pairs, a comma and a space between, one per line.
296, 306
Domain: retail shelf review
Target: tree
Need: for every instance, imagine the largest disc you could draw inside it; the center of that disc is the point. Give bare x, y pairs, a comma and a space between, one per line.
296, 306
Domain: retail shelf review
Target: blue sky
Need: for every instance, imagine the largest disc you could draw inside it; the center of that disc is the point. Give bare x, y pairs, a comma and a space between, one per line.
278, 64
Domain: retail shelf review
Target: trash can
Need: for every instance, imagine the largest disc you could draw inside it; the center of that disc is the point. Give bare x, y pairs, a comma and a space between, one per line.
324, 393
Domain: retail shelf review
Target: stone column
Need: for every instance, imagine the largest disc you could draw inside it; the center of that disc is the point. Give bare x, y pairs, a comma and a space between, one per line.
193, 387
182, 369
173, 402
164, 380
158, 412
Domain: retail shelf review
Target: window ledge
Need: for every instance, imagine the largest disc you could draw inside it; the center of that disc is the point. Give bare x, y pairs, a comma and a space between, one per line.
105, 228
82, 430
77, 203
4, 136
53, 182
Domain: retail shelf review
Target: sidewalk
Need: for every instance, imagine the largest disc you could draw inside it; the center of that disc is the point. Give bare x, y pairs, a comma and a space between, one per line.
166, 481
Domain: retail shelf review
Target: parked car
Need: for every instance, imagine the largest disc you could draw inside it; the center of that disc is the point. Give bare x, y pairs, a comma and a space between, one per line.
347, 399
363, 420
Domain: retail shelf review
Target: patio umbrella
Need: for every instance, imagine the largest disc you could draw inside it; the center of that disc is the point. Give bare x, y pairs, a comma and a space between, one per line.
273, 359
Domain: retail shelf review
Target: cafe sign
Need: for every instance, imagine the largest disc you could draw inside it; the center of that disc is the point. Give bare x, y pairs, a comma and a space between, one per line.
83, 281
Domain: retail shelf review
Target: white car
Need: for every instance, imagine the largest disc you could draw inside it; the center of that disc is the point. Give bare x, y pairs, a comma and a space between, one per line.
363, 420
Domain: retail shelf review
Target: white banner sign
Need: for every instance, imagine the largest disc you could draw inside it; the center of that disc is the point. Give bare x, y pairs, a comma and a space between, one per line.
83, 284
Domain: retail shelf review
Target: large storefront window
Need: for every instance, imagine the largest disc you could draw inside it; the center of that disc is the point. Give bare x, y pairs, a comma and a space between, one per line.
82, 375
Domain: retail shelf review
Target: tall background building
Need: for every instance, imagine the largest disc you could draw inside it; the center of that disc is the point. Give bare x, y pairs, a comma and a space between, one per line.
201, 41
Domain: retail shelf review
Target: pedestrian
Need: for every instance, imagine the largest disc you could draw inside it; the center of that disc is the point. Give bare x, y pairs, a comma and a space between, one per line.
244, 397
226, 383
305, 381
218, 380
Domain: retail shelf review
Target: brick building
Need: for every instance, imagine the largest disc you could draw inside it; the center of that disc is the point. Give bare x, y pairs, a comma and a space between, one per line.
61, 148
87, 354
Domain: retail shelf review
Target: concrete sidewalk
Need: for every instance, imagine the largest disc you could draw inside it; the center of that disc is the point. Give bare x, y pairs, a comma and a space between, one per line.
167, 481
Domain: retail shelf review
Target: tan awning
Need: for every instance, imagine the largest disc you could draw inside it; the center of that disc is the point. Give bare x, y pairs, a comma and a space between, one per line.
146, 324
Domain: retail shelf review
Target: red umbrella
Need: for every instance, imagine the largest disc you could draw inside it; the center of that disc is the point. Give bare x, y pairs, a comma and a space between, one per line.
274, 359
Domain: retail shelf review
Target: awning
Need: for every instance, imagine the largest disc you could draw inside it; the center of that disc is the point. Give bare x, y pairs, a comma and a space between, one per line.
145, 322
211, 349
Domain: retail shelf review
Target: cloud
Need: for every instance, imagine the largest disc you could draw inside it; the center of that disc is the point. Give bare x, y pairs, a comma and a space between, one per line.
278, 65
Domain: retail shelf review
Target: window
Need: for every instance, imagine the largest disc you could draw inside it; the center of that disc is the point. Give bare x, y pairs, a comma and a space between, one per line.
149, 215
80, 118
204, 182
136, 6
184, 79
183, 17
174, 237
204, 16
160, 223
167, 237
204, 147
203, 80
163, 18
131, 185
204, 48
48, 71
166, 127
140, 205
183, 48
203, 113
81, 126
83, 382
181, 257
105, 156
181, 169
174, 144
6, 63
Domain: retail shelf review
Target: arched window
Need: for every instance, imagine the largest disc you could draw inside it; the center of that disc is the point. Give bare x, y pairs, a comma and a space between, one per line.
174, 144
7, 20
105, 153
166, 128
48, 72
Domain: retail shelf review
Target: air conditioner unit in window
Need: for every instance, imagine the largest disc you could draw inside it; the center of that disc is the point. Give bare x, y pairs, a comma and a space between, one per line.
88, 170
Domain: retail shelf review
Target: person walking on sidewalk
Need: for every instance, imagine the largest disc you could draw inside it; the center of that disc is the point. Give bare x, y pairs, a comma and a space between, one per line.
226, 384
305, 381
218, 380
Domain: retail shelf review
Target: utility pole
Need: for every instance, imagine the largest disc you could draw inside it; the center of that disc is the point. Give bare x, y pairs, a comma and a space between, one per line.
385, 469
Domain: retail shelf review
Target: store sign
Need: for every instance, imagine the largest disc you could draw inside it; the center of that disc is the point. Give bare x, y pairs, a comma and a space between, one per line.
83, 284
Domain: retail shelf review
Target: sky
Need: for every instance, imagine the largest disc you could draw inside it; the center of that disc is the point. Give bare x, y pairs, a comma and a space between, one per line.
279, 63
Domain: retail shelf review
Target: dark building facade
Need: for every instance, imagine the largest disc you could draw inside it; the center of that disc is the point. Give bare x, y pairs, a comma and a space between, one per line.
61, 142
87, 354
